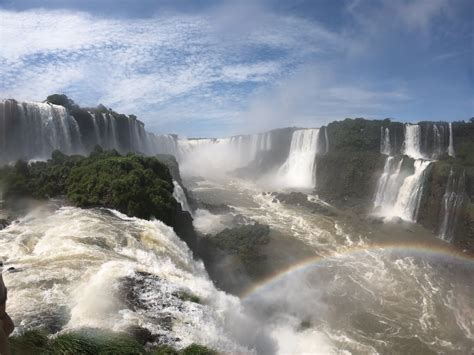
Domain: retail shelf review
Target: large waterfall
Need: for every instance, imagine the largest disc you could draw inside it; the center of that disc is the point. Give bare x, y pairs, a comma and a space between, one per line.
398, 194
412, 144
388, 184
31, 130
299, 169
409, 195
451, 205
34, 130
213, 157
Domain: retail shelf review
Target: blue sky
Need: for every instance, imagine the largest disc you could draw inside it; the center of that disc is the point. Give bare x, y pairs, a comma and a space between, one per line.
215, 68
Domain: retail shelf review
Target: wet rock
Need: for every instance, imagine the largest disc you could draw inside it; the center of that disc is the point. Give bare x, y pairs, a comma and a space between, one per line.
300, 199
216, 208
5, 222
141, 335
374, 220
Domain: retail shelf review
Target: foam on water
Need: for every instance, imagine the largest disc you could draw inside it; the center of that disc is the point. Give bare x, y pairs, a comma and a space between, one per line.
180, 196
75, 265
299, 169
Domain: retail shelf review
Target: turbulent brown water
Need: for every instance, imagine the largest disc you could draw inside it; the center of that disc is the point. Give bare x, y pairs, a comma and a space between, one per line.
364, 289
368, 289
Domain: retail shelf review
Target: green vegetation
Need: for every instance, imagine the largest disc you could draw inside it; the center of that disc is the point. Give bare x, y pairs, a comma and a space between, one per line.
348, 178
135, 185
241, 245
355, 134
195, 349
92, 341
187, 297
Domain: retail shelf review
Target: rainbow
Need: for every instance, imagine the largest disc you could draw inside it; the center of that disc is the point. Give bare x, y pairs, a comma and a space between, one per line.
422, 250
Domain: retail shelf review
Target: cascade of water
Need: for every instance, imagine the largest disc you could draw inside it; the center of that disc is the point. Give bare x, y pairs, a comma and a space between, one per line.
451, 205
299, 169
409, 196
326, 139
180, 196
385, 147
268, 141
34, 130
253, 147
96, 129
114, 139
412, 144
388, 184
437, 141
451, 142
265, 141
124, 256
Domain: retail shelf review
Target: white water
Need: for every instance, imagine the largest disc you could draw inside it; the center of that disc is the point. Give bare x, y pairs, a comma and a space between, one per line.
326, 150
75, 268
217, 157
35, 130
385, 147
412, 144
298, 171
409, 196
451, 152
451, 204
376, 301
397, 194
32, 131
180, 196
388, 184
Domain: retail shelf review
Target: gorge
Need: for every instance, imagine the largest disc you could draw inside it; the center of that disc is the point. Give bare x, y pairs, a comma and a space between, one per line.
307, 236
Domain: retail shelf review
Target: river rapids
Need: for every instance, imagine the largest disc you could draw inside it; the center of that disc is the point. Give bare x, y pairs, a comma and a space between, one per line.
359, 293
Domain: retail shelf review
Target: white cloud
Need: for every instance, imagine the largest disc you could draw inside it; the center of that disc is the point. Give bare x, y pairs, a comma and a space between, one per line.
314, 96
140, 65
382, 15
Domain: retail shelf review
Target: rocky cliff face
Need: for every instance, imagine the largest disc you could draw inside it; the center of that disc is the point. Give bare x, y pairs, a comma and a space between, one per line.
348, 174
348, 178
447, 205
352, 161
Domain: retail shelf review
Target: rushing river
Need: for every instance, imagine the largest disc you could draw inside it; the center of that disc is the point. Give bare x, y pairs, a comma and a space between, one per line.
368, 288
363, 290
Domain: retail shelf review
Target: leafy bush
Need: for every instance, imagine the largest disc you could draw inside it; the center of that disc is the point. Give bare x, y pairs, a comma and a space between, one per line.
195, 349
355, 134
92, 341
135, 185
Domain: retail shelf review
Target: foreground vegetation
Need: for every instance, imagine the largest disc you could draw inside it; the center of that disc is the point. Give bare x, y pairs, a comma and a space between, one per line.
135, 185
93, 341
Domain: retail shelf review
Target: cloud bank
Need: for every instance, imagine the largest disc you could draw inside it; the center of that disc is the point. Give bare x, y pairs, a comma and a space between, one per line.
228, 69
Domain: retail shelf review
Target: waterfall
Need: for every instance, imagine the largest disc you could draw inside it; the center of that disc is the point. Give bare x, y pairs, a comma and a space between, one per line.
253, 147
299, 168
412, 144
35, 130
398, 195
265, 141
451, 205
180, 196
409, 196
326, 140
385, 147
388, 184
451, 143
